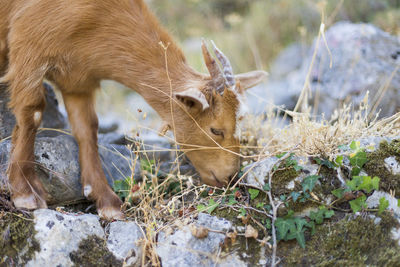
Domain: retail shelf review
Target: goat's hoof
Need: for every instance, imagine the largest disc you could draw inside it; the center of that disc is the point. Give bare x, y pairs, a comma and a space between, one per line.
29, 202
111, 213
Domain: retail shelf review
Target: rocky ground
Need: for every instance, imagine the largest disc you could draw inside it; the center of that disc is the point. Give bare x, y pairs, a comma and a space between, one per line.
290, 209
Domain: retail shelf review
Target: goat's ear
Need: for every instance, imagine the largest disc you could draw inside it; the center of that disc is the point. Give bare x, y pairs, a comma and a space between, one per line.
250, 79
193, 99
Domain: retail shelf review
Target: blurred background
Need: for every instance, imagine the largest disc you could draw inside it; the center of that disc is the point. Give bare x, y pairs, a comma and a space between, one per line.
251, 33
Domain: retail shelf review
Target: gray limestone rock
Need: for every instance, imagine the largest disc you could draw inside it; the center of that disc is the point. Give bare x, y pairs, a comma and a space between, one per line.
183, 249
364, 58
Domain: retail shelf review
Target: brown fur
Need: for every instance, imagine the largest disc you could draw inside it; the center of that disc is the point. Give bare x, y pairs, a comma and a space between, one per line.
76, 44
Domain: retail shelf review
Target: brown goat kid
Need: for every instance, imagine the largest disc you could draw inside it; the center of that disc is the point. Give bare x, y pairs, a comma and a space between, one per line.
76, 44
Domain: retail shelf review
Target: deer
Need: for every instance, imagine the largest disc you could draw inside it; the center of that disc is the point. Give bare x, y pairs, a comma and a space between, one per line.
77, 43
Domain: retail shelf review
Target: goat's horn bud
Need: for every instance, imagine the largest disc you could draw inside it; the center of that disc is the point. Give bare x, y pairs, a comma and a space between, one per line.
226, 65
213, 69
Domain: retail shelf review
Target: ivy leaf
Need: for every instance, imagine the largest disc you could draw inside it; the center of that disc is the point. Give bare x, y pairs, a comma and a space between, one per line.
339, 160
355, 171
329, 213
282, 227
355, 145
281, 155
339, 192
297, 231
212, 205
383, 204
358, 203
375, 182
266, 187
295, 196
355, 183
260, 205
232, 200
359, 159
242, 212
201, 208
253, 193
309, 182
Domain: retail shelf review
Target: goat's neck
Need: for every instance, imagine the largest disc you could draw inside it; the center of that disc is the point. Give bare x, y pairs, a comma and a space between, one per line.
151, 64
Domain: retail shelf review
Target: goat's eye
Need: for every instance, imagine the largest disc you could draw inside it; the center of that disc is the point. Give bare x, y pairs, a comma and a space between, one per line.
217, 132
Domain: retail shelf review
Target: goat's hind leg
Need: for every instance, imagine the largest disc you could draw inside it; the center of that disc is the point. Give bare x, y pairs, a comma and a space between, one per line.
26, 189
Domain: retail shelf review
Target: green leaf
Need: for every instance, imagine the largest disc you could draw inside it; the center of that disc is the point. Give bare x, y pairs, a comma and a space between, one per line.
358, 203
260, 205
355, 171
339, 160
339, 192
383, 204
375, 182
329, 213
268, 224
309, 182
253, 193
282, 227
201, 208
317, 216
266, 187
359, 159
398, 203
297, 231
212, 205
232, 200
281, 155
242, 212
295, 195
366, 184
355, 145
355, 183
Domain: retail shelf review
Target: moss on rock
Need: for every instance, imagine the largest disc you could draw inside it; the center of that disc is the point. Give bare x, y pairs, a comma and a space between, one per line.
375, 165
93, 251
348, 242
17, 239
281, 178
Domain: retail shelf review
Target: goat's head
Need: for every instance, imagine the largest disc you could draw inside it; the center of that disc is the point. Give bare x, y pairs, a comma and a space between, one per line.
208, 132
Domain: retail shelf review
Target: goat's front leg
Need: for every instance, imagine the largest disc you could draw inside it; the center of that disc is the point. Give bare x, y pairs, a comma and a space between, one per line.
84, 124
26, 189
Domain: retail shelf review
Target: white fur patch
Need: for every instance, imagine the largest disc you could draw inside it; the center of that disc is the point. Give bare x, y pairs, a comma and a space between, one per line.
240, 112
37, 117
111, 214
87, 190
28, 202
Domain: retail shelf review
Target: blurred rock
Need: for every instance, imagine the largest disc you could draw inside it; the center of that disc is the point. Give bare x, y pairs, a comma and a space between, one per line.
58, 166
364, 58
52, 118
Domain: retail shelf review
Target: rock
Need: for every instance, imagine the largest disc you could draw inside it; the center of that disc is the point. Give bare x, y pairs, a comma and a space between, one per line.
58, 166
123, 241
362, 60
183, 249
7, 119
60, 234
52, 118
257, 173
69, 239
373, 202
